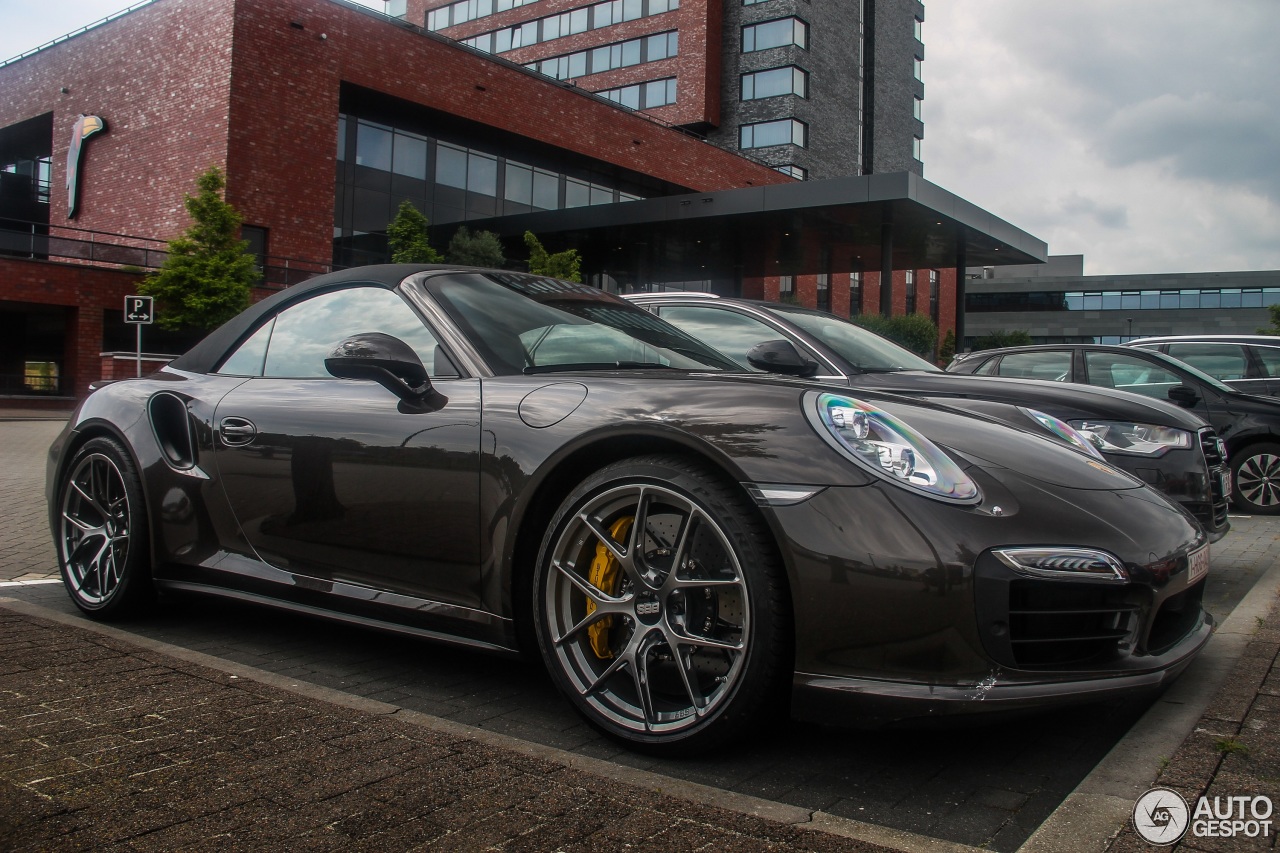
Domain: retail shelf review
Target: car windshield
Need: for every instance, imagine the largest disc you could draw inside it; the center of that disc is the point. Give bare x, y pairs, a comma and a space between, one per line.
862, 348
528, 324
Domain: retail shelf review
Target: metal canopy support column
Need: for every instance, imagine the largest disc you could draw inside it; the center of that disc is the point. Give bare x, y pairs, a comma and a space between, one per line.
886, 267
961, 280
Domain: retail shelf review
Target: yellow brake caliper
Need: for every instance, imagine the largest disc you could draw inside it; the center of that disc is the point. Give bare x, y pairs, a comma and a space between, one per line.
606, 576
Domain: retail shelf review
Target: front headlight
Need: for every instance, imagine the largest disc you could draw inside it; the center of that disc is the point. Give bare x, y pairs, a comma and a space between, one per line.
888, 447
1134, 439
1084, 564
1064, 431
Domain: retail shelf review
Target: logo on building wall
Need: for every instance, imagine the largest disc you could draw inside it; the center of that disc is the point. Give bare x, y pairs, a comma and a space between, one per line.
85, 127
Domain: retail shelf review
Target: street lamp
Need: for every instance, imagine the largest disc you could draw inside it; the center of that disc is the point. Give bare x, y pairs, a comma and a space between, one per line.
1130, 321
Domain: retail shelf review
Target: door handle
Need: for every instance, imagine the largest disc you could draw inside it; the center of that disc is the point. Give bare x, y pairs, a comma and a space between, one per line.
236, 432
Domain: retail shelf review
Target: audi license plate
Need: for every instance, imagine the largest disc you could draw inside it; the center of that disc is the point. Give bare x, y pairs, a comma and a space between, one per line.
1197, 565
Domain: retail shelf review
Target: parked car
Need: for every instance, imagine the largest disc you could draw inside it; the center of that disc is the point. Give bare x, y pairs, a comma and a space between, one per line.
501, 461
1248, 424
1166, 446
1248, 363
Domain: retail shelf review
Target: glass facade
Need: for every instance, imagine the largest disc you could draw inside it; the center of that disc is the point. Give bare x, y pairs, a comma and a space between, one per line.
380, 165
1123, 300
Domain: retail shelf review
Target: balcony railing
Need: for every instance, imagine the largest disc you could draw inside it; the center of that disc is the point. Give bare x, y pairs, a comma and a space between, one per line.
32, 240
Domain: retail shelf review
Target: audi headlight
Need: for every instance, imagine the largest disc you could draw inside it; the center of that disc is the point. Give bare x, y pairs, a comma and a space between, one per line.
1064, 431
888, 447
1134, 439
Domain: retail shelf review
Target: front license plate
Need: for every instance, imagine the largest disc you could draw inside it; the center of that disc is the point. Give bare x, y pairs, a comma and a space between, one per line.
1197, 565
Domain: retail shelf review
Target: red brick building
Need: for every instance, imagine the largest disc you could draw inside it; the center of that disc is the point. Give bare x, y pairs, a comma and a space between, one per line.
324, 116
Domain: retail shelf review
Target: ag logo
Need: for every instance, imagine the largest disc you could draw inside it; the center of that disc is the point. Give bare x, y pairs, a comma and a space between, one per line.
1161, 816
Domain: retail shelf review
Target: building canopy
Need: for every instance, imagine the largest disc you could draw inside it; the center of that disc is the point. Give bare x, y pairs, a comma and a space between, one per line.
785, 229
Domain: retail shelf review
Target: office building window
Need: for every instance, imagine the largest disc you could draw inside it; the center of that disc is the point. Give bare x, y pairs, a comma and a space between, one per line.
644, 96
786, 288
824, 291
787, 131
855, 294
918, 112
919, 68
779, 33
609, 56
568, 23
933, 294
917, 148
469, 10
797, 172
911, 291
789, 80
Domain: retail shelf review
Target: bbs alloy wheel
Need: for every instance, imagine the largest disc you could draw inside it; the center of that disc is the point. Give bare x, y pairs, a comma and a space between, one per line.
660, 610
101, 531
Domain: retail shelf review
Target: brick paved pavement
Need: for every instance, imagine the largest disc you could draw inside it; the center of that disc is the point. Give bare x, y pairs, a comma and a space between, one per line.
105, 746
1234, 750
26, 549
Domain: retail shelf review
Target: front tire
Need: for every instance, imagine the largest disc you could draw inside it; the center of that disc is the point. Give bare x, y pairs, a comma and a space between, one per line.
102, 532
660, 606
1255, 479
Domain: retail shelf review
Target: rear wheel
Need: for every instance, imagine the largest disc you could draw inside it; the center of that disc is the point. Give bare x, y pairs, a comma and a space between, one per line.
660, 606
102, 532
1255, 479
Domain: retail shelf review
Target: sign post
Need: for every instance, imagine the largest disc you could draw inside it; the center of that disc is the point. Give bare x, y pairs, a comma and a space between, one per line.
139, 311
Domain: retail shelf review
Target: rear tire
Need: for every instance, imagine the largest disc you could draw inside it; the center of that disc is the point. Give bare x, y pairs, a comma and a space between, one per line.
660, 607
102, 532
1255, 479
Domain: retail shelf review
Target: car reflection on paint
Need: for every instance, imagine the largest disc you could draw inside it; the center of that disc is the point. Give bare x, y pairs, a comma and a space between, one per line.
513, 463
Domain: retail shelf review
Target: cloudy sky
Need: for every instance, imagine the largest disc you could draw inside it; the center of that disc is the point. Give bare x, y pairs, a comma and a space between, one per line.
1143, 134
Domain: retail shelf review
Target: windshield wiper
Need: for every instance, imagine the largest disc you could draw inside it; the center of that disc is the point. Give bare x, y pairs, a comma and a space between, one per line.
597, 365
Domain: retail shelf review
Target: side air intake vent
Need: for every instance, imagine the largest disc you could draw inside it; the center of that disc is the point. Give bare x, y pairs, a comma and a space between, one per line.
172, 427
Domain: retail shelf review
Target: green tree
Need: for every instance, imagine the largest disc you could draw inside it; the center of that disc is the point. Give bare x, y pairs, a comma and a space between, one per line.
948, 349
209, 273
1275, 321
481, 249
1001, 338
566, 265
407, 237
916, 332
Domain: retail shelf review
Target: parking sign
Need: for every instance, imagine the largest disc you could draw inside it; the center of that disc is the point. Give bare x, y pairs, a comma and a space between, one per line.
138, 310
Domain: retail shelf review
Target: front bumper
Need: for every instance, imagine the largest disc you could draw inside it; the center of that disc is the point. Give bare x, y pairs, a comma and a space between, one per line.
902, 612
846, 701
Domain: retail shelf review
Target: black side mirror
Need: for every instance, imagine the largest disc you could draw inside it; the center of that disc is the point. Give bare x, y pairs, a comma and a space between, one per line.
1184, 395
386, 360
780, 356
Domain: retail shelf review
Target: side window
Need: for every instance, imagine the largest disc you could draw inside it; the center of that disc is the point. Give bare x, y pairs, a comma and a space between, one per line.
727, 331
988, 368
302, 335
248, 358
1054, 365
1130, 373
1221, 361
1270, 358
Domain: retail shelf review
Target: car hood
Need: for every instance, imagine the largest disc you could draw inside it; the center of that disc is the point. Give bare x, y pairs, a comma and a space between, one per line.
776, 410
1066, 400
